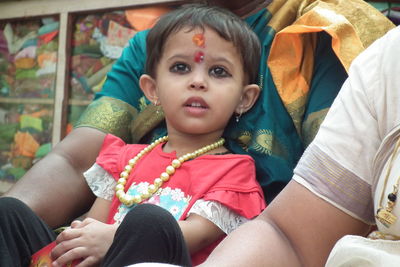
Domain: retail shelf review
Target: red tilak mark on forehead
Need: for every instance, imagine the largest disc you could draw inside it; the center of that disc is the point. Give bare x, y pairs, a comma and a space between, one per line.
199, 56
199, 40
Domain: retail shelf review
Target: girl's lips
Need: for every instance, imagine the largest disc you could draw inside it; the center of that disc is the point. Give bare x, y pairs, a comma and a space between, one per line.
196, 102
195, 106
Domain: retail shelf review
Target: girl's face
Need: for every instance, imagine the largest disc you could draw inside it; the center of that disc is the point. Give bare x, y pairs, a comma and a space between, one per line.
200, 82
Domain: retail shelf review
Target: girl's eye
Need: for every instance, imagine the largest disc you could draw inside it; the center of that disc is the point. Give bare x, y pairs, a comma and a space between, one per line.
219, 72
180, 68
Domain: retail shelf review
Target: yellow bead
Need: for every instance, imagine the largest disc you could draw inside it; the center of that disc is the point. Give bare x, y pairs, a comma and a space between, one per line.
119, 187
119, 193
158, 182
130, 203
164, 176
137, 199
132, 162
126, 199
170, 170
152, 188
146, 195
122, 181
176, 163
128, 168
124, 174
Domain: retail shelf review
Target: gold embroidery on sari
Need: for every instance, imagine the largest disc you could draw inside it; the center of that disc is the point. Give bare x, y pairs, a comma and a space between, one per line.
109, 115
147, 120
296, 111
311, 125
142, 103
266, 143
244, 140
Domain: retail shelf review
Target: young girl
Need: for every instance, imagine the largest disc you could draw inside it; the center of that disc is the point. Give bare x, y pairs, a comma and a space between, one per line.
201, 67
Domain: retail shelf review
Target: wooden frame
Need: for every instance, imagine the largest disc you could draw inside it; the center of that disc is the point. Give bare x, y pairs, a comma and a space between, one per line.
64, 9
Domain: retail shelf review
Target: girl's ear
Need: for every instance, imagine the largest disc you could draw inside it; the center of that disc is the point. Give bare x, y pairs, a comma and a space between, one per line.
149, 87
249, 97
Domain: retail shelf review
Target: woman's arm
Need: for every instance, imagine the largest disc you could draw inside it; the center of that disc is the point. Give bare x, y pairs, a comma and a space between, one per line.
297, 229
54, 187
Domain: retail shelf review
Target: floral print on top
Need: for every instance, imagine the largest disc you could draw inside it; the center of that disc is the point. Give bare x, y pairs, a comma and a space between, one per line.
173, 200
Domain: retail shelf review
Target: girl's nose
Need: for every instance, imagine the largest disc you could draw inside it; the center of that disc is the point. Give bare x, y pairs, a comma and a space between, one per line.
198, 81
197, 85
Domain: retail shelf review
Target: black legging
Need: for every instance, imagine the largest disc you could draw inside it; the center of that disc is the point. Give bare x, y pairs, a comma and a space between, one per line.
22, 233
147, 234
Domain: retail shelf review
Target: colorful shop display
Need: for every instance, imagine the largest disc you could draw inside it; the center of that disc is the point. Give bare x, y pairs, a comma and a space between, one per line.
28, 55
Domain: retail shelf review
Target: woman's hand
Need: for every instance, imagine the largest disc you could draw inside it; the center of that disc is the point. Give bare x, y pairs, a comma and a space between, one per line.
88, 240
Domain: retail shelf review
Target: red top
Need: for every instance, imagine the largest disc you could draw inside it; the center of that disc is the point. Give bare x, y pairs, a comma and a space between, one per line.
228, 179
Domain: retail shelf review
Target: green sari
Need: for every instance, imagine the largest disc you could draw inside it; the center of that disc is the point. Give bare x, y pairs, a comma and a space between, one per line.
307, 47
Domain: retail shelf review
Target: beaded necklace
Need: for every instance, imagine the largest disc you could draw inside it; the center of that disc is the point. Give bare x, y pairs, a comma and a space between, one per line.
165, 176
384, 214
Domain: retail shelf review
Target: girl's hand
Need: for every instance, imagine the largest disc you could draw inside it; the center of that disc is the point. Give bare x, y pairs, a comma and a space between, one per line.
88, 240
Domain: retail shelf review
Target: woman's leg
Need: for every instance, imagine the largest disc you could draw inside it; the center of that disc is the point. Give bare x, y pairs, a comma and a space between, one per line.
22, 233
148, 233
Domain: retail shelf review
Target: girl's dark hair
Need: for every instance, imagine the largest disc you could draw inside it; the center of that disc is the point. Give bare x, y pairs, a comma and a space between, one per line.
229, 26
